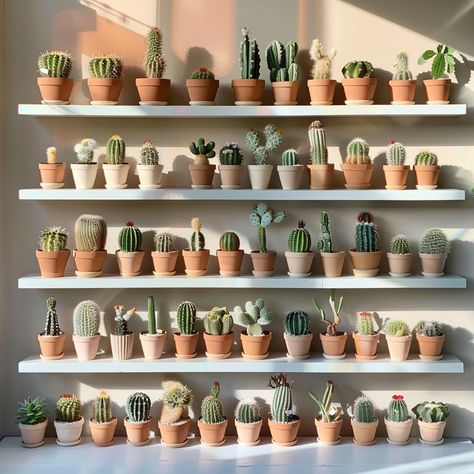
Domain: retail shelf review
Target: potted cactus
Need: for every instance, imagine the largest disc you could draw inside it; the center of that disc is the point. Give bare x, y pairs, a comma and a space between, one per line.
434, 249
196, 257
333, 261
290, 171
297, 335
86, 337
32, 421
202, 87
149, 169
248, 422
68, 422
402, 84
218, 335
105, 82
174, 422
115, 168
261, 172
364, 422
231, 168
54, 83
426, 170
51, 340
212, 424
121, 339
153, 340
437, 89
396, 172
366, 337
130, 256
249, 89
202, 173
332, 340
366, 256
164, 255
53, 254
359, 85
399, 257
283, 424
299, 256
102, 425
398, 421
84, 171
284, 72
358, 166
229, 254
399, 339
153, 89
90, 254
186, 339
138, 420
52, 172
255, 341
329, 422
431, 418
263, 260
320, 172
430, 339
321, 86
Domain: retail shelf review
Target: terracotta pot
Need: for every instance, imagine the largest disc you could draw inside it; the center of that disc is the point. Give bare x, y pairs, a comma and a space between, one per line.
328, 432
130, 263
153, 91
248, 434
102, 433
284, 434
431, 432
432, 265
426, 176
359, 90
84, 175
403, 91
263, 262
52, 264
33, 435
260, 176
52, 347
437, 90
153, 345
52, 175
175, 433
150, 176
299, 263
334, 346
399, 346
137, 433
320, 176
86, 347
186, 346
290, 176
255, 347
286, 92
398, 431
116, 175
202, 176
230, 262
212, 434
248, 91
396, 176
321, 91
202, 90
195, 262
366, 346
430, 346
333, 263
298, 347
104, 91
89, 264
364, 433
357, 176
69, 433
122, 346
55, 90
365, 264
164, 263
218, 347
399, 264
231, 176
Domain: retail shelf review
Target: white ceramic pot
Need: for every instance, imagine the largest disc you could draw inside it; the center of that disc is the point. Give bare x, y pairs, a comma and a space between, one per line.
122, 346
290, 176
84, 175
431, 433
153, 345
69, 433
116, 175
260, 176
398, 432
150, 176
33, 435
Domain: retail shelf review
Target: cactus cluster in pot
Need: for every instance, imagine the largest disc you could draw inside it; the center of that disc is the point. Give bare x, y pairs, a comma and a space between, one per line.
290, 171
358, 83
212, 423
218, 335
426, 170
402, 85
130, 254
115, 168
186, 338
431, 418
164, 254
84, 171
333, 261
68, 421
248, 422
366, 337
86, 337
297, 335
398, 421
54, 83
196, 257
433, 252
430, 339
121, 338
202, 173
53, 255
299, 256
138, 420
32, 420
321, 86
364, 422
358, 166
231, 168
153, 339
52, 172
102, 425
399, 339
105, 81
396, 172
321, 173
400, 256
51, 339
202, 87
149, 168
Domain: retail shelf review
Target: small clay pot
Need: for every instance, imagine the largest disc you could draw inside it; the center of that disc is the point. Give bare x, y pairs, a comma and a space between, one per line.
260, 176
212, 434
130, 263
153, 91
328, 432
89, 264
333, 263
432, 432
102, 433
366, 346
52, 347
248, 91
153, 345
359, 91
150, 176
255, 347
231, 176
84, 174
202, 176
334, 346
52, 175
52, 264
285, 92
290, 176
137, 433
248, 434
298, 347
230, 262
104, 91
33, 435
116, 175
403, 91
365, 264
364, 433
426, 176
432, 265
396, 176
55, 90
202, 91
122, 346
437, 90
299, 263
284, 434
321, 91
218, 346
164, 263
69, 432
430, 346
263, 262
174, 434
186, 345
195, 262
399, 346
86, 347
321, 176
357, 176
398, 431
399, 264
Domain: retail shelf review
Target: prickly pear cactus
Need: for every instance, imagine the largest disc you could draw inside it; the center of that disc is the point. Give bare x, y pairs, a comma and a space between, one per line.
253, 316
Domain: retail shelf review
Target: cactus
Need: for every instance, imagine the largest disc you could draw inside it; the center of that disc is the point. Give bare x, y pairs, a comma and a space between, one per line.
249, 57
300, 239
163, 242
155, 63
317, 139
443, 60
297, 323
202, 73
115, 150
365, 324
197, 242
176, 399
103, 408
186, 318
331, 326
290, 157
428, 328
402, 73
434, 242
31, 411
218, 322
431, 412
363, 410
151, 317
321, 62
366, 236
426, 158
357, 69
254, 317
105, 67
397, 328
397, 410
358, 152
149, 154
121, 320
137, 407
51, 155
247, 411
86, 319
55, 64
281, 409
211, 407
273, 139
68, 408
53, 239
229, 242
324, 405
202, 151
396, 154
90, 232
399, 245
281, 61
130, 238
230, 154
85, 150
262, 217
51, 327
325, 236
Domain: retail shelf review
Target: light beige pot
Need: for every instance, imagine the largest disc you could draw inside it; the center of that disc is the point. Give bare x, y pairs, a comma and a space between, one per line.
333, 263
364, 433
366, 346
290, 176
334, 346
122, 346
84, 175
399, 264
116, 175
153, 345
398, 431
399, 346
431, 432
69, 433
86, 347
129, 263
328, 432
33, 435
298, 347
150, 176
248, 434
365, 264
432, 265
260, 176
299, 263
231, 176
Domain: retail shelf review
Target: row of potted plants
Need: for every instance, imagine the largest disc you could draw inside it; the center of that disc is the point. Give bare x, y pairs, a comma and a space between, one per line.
105, 81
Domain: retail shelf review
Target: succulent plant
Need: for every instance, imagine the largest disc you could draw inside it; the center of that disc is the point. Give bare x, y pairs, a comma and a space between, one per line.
202, 73
247, 411
130, 238
253, 316
149, 154
155, 63
197, 242
68, 408
230, 154
51, 327
399, 245
321, 62
426, 158
31, 411
51, 155
115, 150
428, 328
262, 216
281, 409
297, 323
358, 152
397, 328
90, 233
299, 240
211, 407
324, 405
402, 72
85, 150
290, 157
397, 410
105, 67
102, 408
317, 140
261, 152
366, 236
176, 399
325, 235
202, 151
331, 326
281, 61
357, 69
151, 316
443, 60
396, 154
55, 64
138, 407
363, 410
434, 242
186, 318
86, 319
431, 412
218, 321
53, 239
163, 242
366, 324
249, 57
121, 320
229, 242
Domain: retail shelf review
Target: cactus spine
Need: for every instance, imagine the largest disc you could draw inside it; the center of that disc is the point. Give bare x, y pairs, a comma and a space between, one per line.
176, 399
86, 319
103, 408
325, 238
428, 328
358, 152
402, 73
149, 154
229, 242
51, 327
51, 155
186, 318
130, 238
426, 158
262, 217
151, 315
366, 237
321, 62
115, 150
365, 324
218, 321
297, 323
90, 232
261, 152
281, 61
105, 67
55, 64
399, 245
434, 242
247, 411
53, 239
317, 139
397, 409
68, 408
137, 407
163, 242
211, 407
85, 150
249, 57
282, 404
202, 73
121, 320
155, 63
197, 238
396, 154
289, 157
357, 69
254, 317
300, 239
363, 410
230, 154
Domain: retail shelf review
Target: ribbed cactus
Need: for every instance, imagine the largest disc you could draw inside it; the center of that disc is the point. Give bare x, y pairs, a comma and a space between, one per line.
230, 154
155, 63
399, 245
211, 407
426, 158
297, 323
115, 150
434, 242
55, 64
428, 328
229, 242
202, 151
202, 73
51, 327
281, 61
396, 154
363, 410
68, 408
151, 317
105, 67
149, 154
358, 152
431, 412
186, 318
261, 152
86, 319
366, 236
300, 239
357, 69
402, 73
262, 216
247, 411
321, 62
90, 232
397, 409
218, 321
163, 242
443, 60
366, 324
249, 57
317, 140
130, 238
85, 150
331, 326
254, 317
282, 404
325, 236
197, 242
324, 405
290, 157
53, 239
102, 408
121, 320
176, 399
138, 407
397, 328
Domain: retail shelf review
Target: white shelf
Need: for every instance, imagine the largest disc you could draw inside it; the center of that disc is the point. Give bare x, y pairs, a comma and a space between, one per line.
240, 195
232, 111
276, 362
35, 281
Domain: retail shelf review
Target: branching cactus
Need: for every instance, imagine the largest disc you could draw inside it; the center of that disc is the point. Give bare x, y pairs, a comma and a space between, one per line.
85, 150
261, 152
202, 151
229, 242
321, 62
103, 408
290, 157
121, 320
431, 412
51, 155
397, 328
163, 242
218, 321
90, 233
197, 242
202, 73
68, 408
230, 154
366, 236
402, 73
399, 245
397, 410
249, 57
105, 67
51, 327
328, 415
86, 319
317, 140
336, 308
297, 323
138, 407
281, 61
155, 63
357, 69
325, 236
426, 158
363, 410
115, 150
443, 60
434, 242
262, 216
149, 154
396, 154
53, 239
55, 64
253, 317
366, 324
151, 317
211, 407
429, 328
176, 399
358, 152
186, 318
282, 404
130, 238
299, 240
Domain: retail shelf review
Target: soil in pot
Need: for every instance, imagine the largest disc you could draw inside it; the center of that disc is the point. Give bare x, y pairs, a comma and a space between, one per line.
298, 347
202, 91
286, 92
212, 434
103, 433
399, 346
398, 432
52, 347
403, 91
231, 176
333, 263
432, 265
52, 264
52, 175
153, 345
299, 263
396, 176
69, 433
230, 262
263, 263
364, 433
122, 346
164, 263
365, 264
321, 176
150, 176
321, 91
328, 433
89, 264
84, 174
55, 90
248, 434
260, 176
137, 433
366, 346
426, 176
357, 176
248, 91
431, 432
116, 175
130, 263
430, 346
175, 434
437, 90
202, 176
284, 434
334, 346
104, 91
33, 435
186, 345
86, 347
195, 262
255, 347
359, 91
153, 91
399, 264
290, 176
218, 346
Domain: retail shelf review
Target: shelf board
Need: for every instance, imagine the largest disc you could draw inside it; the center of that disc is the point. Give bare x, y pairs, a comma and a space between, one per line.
232, 111
35, 281
277, 362
178, 194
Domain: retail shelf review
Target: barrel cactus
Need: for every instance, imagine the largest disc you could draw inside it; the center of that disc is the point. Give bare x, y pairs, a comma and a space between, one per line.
229, 242
230, 154
262, 216
86, 319
130, 238
281, 409
397, 328
261, 152
357, 69
297, 323
402, 72
53, 239
363, 410
317, 140
102, 408
186, 318
85, 150
358, 152
55, 64
115, 150
396, 154
68, 408
289, 157
90, 233
249, 57
426, 158
253, 316
121, 320
247, 411
149, 154
366, 236
366, 324
428, 328
299, 240
198, 241
434, 242
105, 67
163, 242
211, 407
325, 235
202, 73
399, 245
51, 327
155, 63
218, 321
397, 410
281, 61
321, 62
176, 399
138, 407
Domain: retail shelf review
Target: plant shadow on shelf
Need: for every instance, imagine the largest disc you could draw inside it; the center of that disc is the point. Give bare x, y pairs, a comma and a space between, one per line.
179, 176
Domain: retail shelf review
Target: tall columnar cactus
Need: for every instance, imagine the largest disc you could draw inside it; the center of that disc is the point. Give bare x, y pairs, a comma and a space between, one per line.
55, 64
53, 239
121, 320
261, 152
186, 318
397, 328
253, 317
357, 69
262, 216
249, 57
163, 242
399, 245
149, 154
282, 403
202, 151
402, 73
325, 235
426, 158
85, 150
397, 409
324, 405
396, 154
51, 327
366, 324
202, 73
336, 308
428, 328
68, 408
229, 242
115, 150
218, 321
290, 157
317, 140
103, 408
105, 67
211, 407
358, 152
151, 317
197, 242
155, 63
90, 233
247, 411
431, 412
138, 407
130, 238
300, 239
176, 399
86, 319
434, 242
297, 323
321, 62
230, 154
363, 410
366, 236
281, 61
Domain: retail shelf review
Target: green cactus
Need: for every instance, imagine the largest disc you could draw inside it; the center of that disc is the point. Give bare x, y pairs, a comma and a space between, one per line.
51, 327
297, 323
431, 412
247, 411
261, 152
130, 238
321, 62
202, 151
202, 73
230, 154
86, 319
176, 399
363, 410
90, 233
121, 320
163, 242
397, 328
290, 157
53, 239
399, 245
155, 63
105, 67
365, 324
151, 316
249, 57
357, 69
331, 326
138, 407
149, 154
358, 152
434, 242
396, 154
115, 150
426, 158
281, 61
397, 409
428, 328
300, 239
218, 321
443, 60
281, 409
366, 236
402, 73
324, 405
68, 408
85, 150
186, 318
55, 64
254, 317
197, 242
262, 216
317, 140
31, 411
229, 242
211, 407
325, 236
102, 408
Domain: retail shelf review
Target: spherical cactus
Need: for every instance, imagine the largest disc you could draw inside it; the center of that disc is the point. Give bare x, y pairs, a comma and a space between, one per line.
396, 154
358, 152
53, 239
68, 408
149, 154
282, 403
397, 409
399, 245
103, 408
55, 64
426, 158
357, 69
86, 319
289, 157
300, 239
163, 242
397, 328
363, 410
115, 150
197, 238
230, 154
105, 67
137, 407
317, 139
186, 318
211, 407
434, 242
297, 323
365, 324
247, 411
229, 242
202, 73
130, 238
428, 328
90, 233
